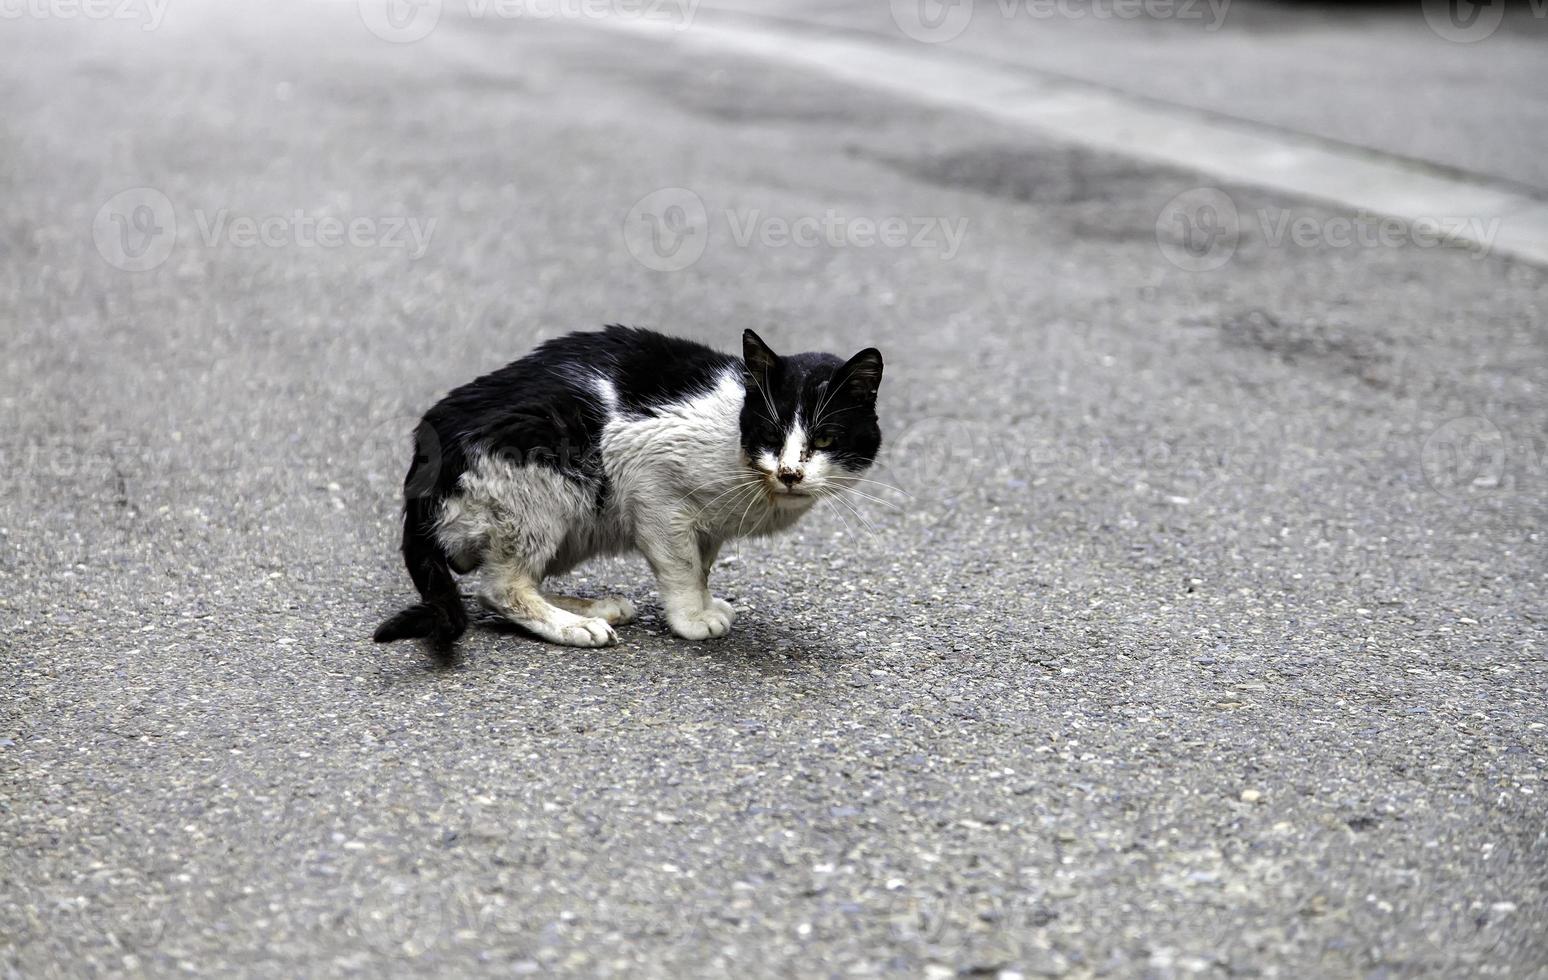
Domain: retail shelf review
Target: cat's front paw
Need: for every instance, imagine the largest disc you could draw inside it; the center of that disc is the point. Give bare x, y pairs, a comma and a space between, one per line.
699, 624
724, 608
588, 632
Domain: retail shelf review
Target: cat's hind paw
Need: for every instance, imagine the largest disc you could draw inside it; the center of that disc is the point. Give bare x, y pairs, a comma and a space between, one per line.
615, 609
699, 624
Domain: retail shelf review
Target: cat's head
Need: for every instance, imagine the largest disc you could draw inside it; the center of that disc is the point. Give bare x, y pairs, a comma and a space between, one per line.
809, 420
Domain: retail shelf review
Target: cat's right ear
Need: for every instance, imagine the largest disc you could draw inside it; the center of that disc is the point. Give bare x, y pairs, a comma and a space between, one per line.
759, 358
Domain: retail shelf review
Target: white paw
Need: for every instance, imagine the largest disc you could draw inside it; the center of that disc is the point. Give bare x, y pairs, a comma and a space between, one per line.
700, 624
615, 609
724, 608
588, 632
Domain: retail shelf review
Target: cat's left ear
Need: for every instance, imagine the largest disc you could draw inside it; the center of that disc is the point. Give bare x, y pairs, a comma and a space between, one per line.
862, 373
758, 356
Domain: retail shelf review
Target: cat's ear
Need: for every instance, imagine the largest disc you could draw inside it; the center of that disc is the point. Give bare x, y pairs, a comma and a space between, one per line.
861, 375
760, 359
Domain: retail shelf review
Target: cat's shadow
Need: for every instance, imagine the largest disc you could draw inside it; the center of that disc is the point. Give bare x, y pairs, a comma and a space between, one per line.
763, 646
766, 648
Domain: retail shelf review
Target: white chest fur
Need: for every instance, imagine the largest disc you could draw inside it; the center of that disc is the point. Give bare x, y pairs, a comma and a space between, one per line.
684, 465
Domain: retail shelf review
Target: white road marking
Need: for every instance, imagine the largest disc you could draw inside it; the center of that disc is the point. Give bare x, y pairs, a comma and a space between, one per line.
1499, 219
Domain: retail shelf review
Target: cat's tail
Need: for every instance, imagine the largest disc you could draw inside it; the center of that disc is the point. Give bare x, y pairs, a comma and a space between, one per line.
440, 618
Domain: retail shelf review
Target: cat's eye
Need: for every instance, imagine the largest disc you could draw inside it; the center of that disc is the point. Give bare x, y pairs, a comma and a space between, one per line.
822, 442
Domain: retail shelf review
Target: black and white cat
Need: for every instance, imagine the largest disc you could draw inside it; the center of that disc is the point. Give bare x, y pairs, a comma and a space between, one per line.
623, 439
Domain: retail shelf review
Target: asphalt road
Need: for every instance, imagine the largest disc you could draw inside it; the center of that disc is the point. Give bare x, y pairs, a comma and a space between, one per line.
1207, 640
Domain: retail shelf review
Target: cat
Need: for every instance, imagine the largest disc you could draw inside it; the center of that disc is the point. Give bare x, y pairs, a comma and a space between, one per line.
599, 443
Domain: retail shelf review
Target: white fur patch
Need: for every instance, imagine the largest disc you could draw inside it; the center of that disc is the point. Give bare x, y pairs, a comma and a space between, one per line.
793, 454
529, 514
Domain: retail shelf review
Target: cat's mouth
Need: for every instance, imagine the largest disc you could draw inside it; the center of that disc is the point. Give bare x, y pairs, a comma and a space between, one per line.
790, 496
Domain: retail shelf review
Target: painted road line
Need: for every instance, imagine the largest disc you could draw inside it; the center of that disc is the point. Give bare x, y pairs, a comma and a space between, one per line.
1500, 220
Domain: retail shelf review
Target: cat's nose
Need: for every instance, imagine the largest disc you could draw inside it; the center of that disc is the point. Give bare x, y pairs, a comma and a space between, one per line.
790, 477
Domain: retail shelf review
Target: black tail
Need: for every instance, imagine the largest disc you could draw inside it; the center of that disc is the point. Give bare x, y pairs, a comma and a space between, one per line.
441, 617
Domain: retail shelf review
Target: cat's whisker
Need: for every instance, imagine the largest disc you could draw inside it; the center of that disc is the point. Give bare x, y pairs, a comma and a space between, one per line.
768, 401
825, 416
856, 479
838, 513
749, 494
827, 395
834, 498
834, 388
858, 513
832, 492
739, 523
865, 496
740, 486
719, 481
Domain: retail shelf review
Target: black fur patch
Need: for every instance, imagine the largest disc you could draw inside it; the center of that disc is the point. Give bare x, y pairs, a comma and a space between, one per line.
836, 400
542, 409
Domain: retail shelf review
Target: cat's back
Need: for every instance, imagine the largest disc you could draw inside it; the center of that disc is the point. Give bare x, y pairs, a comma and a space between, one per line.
551, 405
643, 367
